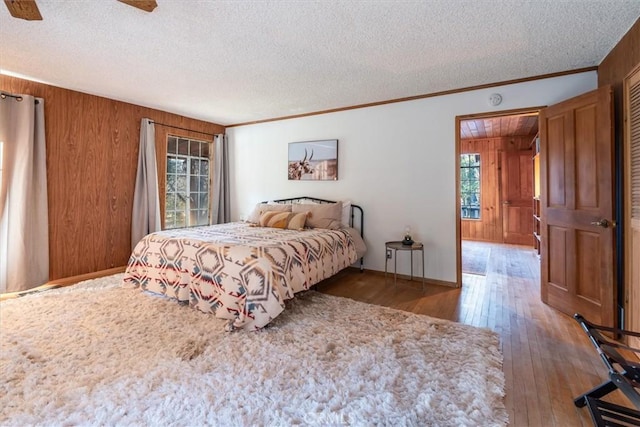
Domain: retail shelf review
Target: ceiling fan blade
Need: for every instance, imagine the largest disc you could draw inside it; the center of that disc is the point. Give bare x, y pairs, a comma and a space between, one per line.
146, 5
24, 9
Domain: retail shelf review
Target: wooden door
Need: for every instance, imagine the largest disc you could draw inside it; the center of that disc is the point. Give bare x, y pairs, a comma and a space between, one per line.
516, 197
632, 197
577, 252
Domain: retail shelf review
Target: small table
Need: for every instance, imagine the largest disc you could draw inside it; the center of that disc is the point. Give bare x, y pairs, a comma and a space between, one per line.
398, 246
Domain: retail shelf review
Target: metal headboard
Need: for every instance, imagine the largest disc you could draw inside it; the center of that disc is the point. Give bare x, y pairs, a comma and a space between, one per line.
352, 219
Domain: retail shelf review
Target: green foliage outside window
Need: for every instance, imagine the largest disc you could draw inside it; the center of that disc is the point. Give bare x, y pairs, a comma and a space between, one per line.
187, 201
470, 186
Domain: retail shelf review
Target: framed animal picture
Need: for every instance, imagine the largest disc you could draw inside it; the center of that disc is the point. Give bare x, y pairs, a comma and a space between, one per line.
313, 160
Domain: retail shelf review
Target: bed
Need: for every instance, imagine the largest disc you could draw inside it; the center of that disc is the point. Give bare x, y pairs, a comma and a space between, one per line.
242, 271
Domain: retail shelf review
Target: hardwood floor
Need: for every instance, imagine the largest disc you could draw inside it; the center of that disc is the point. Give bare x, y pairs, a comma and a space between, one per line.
548, 360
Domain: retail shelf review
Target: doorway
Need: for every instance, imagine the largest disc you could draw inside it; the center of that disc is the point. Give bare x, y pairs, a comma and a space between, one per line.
495, 155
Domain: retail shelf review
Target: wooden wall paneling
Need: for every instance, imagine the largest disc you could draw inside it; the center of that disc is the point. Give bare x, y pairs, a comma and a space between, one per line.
122, 162
92, 157
92, 167
490, 227
616, 65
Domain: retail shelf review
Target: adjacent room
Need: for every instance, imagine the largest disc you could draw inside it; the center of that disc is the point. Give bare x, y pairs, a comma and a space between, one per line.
499, 198
319, 213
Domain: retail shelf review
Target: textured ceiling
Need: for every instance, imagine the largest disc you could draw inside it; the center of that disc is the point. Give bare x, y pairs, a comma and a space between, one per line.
238, 61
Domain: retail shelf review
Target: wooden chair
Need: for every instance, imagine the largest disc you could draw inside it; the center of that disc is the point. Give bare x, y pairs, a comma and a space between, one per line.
624, 375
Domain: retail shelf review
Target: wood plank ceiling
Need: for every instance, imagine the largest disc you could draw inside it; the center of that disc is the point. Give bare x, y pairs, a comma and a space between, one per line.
495, 127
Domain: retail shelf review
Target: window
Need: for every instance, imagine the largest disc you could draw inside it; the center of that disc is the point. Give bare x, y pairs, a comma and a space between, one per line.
470, 186
188, 177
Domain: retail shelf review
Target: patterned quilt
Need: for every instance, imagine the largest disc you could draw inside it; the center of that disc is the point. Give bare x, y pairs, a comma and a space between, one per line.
236, 271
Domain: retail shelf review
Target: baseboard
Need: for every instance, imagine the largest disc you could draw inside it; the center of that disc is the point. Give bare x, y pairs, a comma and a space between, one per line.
67, 281
87, 276
11, 295
427, 280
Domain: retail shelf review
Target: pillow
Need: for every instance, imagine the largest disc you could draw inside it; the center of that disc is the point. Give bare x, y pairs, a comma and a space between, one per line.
260, 208
346, 210
346, 213
326, 215
288, 220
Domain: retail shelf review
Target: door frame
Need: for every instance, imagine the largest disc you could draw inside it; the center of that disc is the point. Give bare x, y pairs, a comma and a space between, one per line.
488, 114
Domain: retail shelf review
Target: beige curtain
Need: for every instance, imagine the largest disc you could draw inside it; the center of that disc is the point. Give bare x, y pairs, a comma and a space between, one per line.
221, 205
146, 201
24, 231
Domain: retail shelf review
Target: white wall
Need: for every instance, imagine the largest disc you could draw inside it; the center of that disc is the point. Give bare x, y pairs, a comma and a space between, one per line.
396, 160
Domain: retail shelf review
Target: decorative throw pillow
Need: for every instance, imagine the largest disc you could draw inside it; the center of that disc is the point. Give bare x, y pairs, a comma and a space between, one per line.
326, 215
288, 220
260, 208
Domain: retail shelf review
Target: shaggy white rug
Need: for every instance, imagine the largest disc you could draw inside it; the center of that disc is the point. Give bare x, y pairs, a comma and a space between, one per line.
99, 354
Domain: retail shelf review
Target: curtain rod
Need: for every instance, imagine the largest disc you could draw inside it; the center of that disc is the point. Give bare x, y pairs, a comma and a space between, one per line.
178, 127
18, 98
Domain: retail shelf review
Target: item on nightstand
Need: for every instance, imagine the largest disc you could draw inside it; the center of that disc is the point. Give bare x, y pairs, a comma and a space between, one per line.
407, 237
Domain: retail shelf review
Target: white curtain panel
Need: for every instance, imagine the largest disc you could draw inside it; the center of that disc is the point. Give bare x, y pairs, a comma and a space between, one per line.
24, 228
221, 207
146, 201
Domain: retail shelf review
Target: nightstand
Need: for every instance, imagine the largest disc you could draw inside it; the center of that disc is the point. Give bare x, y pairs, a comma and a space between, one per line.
398, 246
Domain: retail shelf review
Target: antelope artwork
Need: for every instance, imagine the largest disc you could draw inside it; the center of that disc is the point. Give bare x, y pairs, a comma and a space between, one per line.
301, 167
